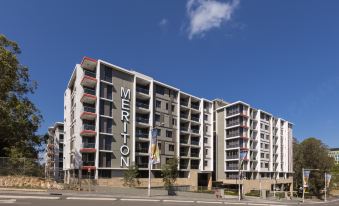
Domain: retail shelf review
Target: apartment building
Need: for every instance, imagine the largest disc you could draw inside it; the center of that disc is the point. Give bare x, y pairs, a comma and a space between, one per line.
334, 152
54, 152
253, 147
109, 113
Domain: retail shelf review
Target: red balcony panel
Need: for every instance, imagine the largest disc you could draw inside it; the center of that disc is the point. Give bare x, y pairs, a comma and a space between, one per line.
88, 150
89, 81
88, 133
88, 168
243, 137
88, 98
89, 63
243, 148
88, 115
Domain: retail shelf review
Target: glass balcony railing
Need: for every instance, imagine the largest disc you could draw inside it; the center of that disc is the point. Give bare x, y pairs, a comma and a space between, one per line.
142, 105
196, 131
89, 91
232, 157
196, 119
89, 109
88, 145
183, 141
88, 163
142, 90
141, 134
89, 73
194, 142
88, 127
184, 103
142, 119
141, 149
194, 154
195, 106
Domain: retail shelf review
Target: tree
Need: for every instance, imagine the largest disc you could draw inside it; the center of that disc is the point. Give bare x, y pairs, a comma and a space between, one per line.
131, 176
169, 173
311, 154
20, 119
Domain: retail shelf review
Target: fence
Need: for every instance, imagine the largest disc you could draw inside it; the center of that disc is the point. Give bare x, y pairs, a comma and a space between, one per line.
21, 167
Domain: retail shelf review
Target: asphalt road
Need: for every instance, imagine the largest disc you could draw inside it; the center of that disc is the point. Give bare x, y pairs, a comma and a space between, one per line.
122, 202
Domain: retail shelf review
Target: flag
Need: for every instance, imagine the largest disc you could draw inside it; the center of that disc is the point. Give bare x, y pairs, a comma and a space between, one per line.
306, 177
243, 155
154, 148
328, 179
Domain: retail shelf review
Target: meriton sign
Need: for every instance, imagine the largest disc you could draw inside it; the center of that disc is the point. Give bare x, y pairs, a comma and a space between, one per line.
125, 116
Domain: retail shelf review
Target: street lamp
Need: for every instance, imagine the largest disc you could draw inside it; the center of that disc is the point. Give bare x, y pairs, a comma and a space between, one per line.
303, 170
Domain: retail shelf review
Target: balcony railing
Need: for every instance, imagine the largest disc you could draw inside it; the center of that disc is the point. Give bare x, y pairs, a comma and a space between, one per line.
196, 119
232, 168
196, 131
89, 73
88, 163
141, 149
195, 142
228, 146
142, 119
89, 109
195, 106
89, 91
184, 115
142, 90
107, 164
232, 157
184, 129
88, 127
141, 134
88, 145
194, 166
194, 154
142, 165
184, 103
184, 141
184, 154
142, 105
107, 147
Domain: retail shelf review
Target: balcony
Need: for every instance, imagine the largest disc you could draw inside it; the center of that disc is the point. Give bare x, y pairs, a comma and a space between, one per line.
88, 130
142, 120
194, 165
89, 63
140, 134
195, 142
88, 96
195, 154
88, 148
143, 150
142, 90
183, 140
88, 113
231, 146
232, 156
195, 106
195, 131
89, 79
183, 103
232, 168
195, 119
184, 129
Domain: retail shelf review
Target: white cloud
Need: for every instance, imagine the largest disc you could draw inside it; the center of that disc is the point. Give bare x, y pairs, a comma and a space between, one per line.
207, 14
163, 22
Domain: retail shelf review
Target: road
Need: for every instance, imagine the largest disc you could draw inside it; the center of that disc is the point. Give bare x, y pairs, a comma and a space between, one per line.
56, 200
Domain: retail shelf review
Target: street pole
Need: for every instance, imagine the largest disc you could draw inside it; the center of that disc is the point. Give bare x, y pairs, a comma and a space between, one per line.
303, 186
149, 177
260, 184
325, 188
275, 179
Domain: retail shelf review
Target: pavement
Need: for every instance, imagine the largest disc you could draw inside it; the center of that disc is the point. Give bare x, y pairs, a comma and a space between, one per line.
123, 196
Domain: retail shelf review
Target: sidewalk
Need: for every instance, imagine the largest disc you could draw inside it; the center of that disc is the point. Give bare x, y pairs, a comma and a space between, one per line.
156, 194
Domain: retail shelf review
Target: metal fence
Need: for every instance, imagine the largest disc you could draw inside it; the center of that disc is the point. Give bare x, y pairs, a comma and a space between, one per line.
21, 167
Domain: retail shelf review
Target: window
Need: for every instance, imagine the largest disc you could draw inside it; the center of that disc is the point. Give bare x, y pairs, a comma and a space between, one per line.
173, 108
106, 91
159, 146
205, 117
106, 74
171, 148
159, 132
158, 104
166, 106
169, 134
105, 108
206, 151
157, 117
174, 121
205, 163
205, 140
206, 128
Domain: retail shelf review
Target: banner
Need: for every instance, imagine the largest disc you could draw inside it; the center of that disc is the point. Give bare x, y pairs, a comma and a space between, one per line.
243, 155
327, 179
154, 148
306, 177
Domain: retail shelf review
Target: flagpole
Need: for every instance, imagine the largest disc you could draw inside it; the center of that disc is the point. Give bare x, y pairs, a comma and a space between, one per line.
149, 177
303, 186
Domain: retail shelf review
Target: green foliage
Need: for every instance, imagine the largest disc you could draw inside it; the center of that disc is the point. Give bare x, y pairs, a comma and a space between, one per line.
311, 154
169, 173
334, 184
20, 119
131, 176
253, 193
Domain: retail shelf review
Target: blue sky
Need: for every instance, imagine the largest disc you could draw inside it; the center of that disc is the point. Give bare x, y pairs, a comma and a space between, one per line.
282, 56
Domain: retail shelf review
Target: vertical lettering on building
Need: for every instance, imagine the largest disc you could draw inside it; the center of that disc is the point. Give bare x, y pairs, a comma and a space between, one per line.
125, 116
